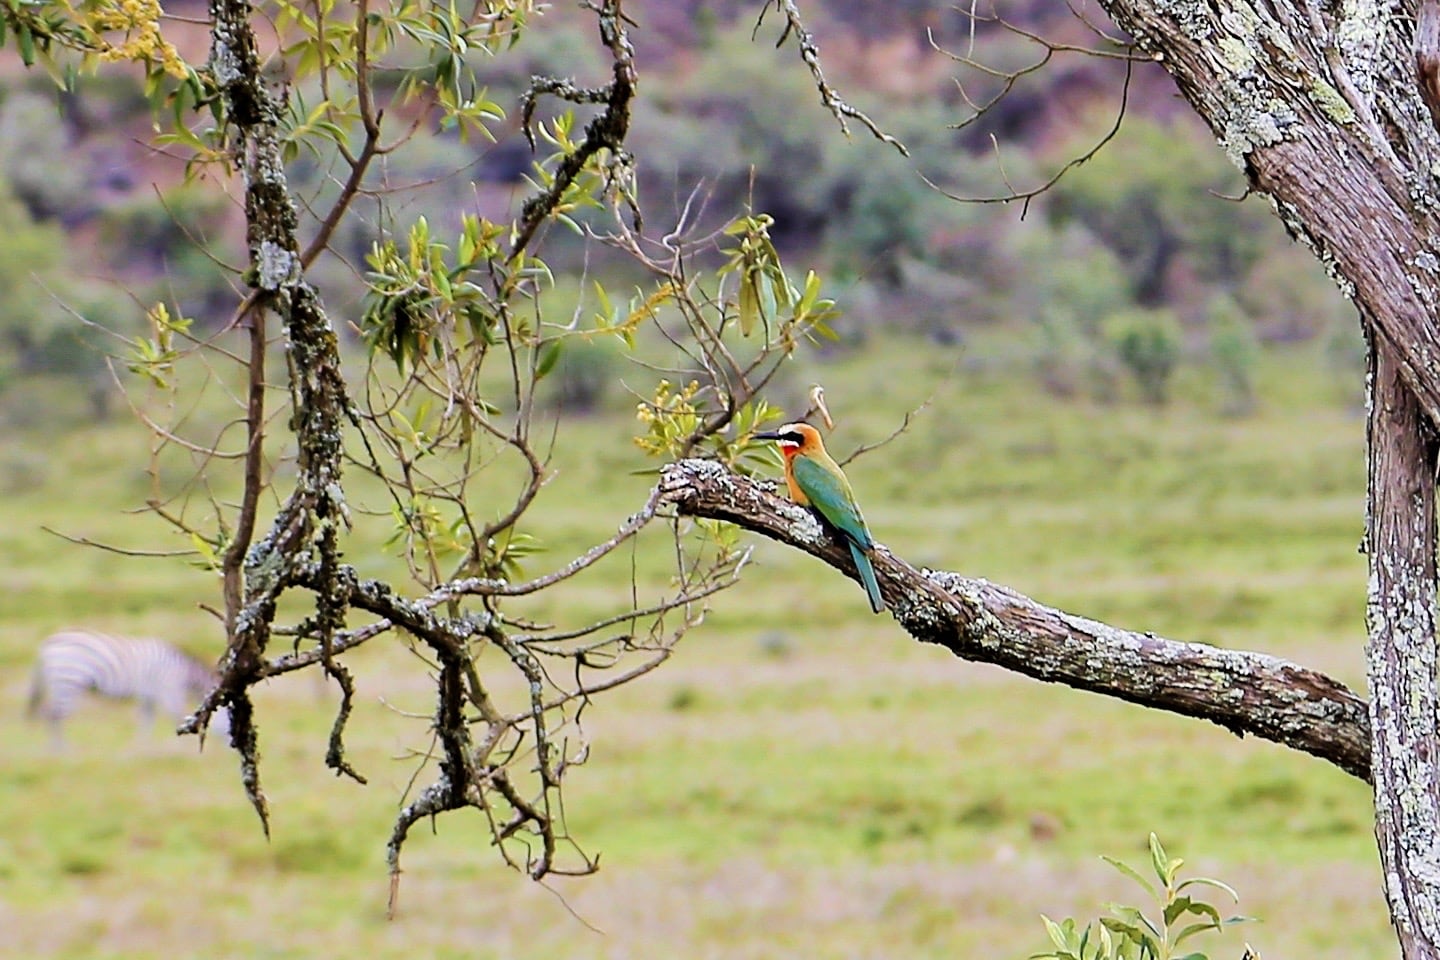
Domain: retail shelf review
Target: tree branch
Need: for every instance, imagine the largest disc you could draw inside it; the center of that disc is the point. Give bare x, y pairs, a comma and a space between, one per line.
1246, 693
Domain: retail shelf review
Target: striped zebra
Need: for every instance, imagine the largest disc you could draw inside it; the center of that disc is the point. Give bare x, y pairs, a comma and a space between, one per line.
152, 672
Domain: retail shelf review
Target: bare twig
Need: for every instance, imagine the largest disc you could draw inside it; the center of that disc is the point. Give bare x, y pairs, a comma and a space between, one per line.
1025, 196
810, 53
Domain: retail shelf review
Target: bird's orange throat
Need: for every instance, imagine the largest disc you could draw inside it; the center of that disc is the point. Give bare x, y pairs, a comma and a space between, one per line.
796, 494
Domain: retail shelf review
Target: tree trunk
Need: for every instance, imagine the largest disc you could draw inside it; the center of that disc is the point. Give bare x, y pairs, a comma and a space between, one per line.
1401, 655
1332, 110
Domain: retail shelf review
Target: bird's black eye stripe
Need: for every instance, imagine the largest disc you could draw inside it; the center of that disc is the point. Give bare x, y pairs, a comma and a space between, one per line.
794, 437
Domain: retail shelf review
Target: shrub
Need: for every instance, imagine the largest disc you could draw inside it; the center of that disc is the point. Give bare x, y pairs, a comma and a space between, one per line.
585, 374
1234, 351
1129, 934
164, 228
1148, 343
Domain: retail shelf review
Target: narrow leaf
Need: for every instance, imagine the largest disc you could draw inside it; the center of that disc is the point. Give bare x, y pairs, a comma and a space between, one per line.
749, 304
1057, 936
549, 354
1132, 873
1158, 860
767, 286
1193, 929
1207, 882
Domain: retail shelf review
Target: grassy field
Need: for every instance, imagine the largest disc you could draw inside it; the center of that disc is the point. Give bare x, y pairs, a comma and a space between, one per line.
788, 786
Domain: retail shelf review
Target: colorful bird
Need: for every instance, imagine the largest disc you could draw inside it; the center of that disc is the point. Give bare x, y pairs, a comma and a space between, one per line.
817, 481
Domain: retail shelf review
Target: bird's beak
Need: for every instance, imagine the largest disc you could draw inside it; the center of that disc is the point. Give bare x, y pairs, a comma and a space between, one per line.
769, 435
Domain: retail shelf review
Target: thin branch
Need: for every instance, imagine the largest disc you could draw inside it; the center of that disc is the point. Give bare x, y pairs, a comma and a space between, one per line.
905, 422
123, 551
234, 557
503, 588
1027, 195
810, 53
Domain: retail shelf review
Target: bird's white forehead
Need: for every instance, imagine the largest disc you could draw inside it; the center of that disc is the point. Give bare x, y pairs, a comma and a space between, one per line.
789, 428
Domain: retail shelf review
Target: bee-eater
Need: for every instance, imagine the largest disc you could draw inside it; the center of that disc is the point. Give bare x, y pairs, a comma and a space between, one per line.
815, 480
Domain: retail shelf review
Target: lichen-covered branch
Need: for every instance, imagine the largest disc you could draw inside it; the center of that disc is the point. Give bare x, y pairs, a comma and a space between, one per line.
1427, 57
1401, 657
606, 132
305, 529
1247, 693
1331, 110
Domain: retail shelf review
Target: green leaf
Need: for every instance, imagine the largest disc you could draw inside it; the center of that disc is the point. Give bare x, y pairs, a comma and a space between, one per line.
1134, 917
1176, 907
1193, 929
1159, 861
1132, 873
206, 549
766, 287
1208, 882
749, 304
26, 40
811, 294
1057, 933
1132, 932
1202, 909
549, 354
607, 310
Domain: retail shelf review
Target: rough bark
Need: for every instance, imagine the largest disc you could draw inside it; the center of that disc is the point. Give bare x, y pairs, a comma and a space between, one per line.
1401, 656
1322, 107
1247, 693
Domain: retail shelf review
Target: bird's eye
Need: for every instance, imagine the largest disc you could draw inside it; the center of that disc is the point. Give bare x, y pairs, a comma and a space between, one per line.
794, 438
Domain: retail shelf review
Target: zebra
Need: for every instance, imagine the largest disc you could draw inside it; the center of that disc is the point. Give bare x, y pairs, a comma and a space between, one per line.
153, 672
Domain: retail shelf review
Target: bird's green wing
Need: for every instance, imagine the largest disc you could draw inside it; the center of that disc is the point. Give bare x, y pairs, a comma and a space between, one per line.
829, 492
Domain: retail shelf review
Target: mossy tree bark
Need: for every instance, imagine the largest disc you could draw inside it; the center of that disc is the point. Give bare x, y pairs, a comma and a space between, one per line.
1401, 655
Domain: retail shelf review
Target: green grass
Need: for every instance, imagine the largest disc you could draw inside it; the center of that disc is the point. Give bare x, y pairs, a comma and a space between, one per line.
791, 784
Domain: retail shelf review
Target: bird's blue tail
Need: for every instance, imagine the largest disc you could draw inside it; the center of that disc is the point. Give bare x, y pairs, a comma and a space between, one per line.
867, 576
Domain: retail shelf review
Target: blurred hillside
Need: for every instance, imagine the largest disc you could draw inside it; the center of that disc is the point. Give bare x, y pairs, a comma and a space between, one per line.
1132, 265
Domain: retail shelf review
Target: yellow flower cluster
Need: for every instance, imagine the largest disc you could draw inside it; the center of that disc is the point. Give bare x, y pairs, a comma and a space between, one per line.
670, 417
139, 20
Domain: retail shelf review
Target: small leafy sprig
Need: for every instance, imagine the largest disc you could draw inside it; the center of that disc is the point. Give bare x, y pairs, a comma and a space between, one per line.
766, 293
673, 415
1128, 934
154, 357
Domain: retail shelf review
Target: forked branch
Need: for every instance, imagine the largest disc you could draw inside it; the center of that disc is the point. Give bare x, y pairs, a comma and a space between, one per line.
1246, 693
